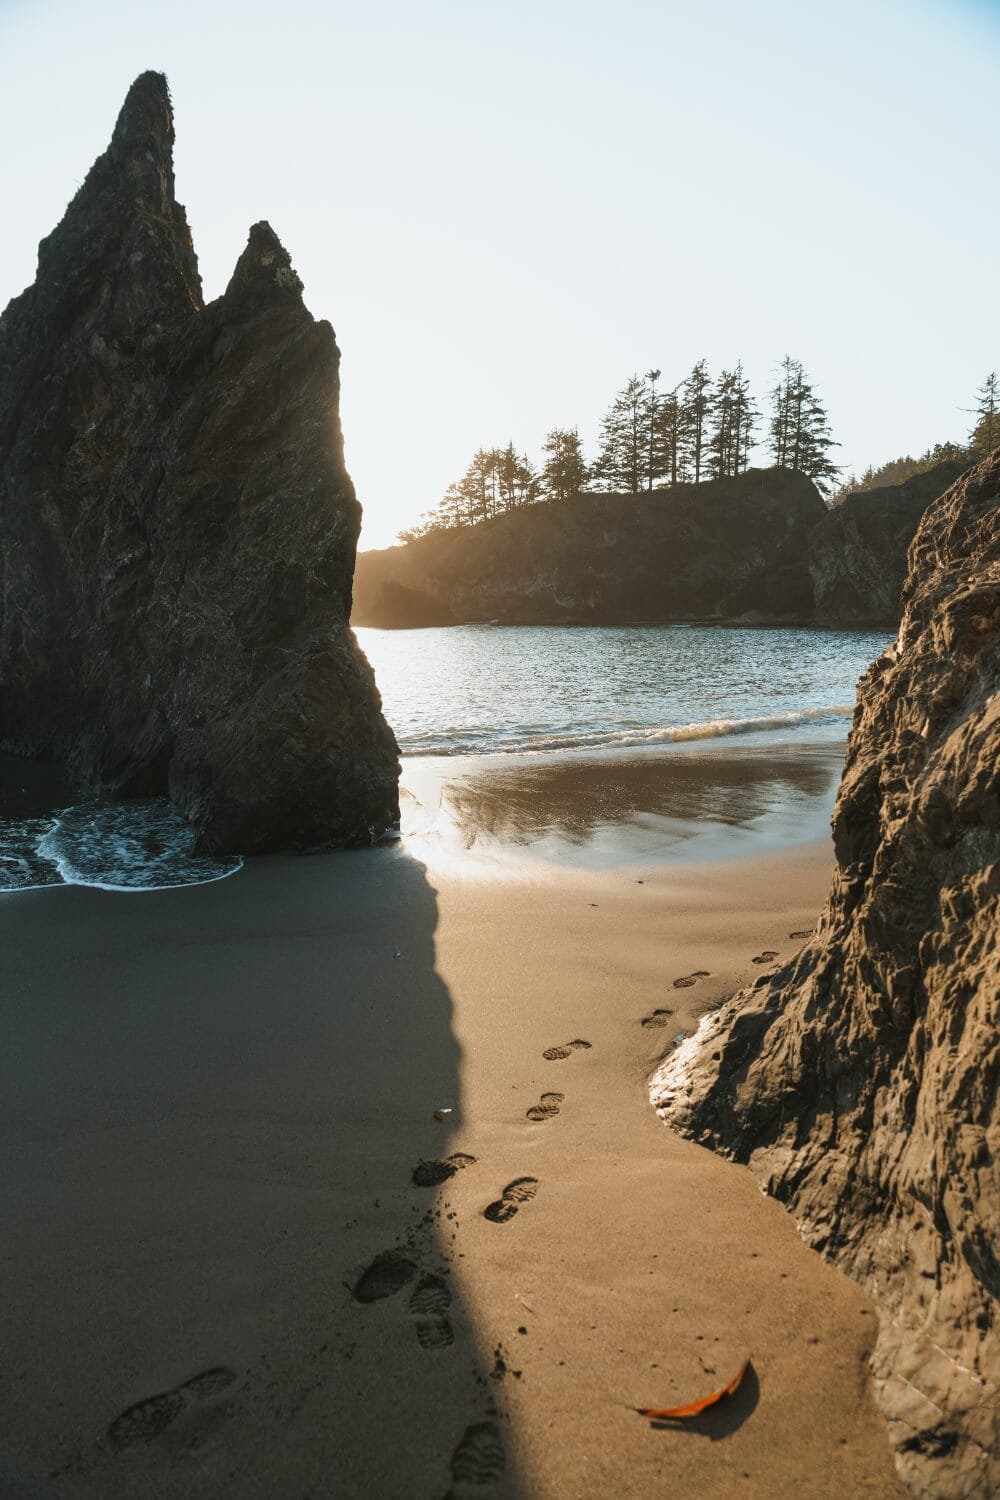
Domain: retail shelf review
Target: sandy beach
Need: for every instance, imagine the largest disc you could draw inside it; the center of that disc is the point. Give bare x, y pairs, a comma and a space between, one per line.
221, 1278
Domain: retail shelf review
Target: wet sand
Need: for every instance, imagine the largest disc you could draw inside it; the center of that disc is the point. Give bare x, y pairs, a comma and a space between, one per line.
222, 1280
601, 812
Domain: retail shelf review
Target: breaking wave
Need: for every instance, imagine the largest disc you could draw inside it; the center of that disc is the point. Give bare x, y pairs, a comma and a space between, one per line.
516, 742
119, 846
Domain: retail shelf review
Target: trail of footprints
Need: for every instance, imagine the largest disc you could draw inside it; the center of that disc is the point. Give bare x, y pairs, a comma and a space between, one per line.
556, 1054
479, 1459
145, 1420
686, 980
546, 1108
514, 1196
431, 1173
429, 1306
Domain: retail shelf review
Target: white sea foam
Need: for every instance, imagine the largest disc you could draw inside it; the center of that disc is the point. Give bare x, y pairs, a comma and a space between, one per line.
626, 738
120, 846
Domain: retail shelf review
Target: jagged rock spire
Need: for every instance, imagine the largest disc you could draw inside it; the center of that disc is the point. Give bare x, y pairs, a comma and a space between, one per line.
177, 528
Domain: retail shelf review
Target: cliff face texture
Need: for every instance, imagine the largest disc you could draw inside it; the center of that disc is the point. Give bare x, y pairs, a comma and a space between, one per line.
861, 1081
719, 551
857, 554
177, 528
762, 546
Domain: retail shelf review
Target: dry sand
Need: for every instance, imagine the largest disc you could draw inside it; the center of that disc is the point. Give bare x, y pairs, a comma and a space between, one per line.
213, 1100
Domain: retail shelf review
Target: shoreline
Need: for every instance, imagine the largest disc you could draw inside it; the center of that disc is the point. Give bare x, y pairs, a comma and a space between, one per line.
577, 810
216, 1101
578, 814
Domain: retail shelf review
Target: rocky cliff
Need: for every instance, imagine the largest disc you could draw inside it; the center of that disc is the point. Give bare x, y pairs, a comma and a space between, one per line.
857, 554
719, 551
861, 1081
763, 547
177, 528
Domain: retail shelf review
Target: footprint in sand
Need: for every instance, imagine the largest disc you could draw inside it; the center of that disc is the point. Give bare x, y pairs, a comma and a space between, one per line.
429, 1306
479, 1458
431, 1173
765, 957
145, 1420
516, 1193
553, 1054
387, 1275
803, 932
547, 1106
687, 980
657, 1018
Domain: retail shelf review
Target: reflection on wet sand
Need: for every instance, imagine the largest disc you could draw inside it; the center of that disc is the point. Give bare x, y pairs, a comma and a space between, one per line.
601, 810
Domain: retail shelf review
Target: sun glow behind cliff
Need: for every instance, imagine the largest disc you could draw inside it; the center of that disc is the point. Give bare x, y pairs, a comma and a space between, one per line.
499, 221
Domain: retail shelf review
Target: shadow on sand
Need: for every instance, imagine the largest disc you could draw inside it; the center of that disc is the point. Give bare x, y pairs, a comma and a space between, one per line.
221, 1276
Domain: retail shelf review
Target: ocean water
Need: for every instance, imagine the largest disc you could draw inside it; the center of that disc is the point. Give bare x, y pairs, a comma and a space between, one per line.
530, 695
481, 689
111, 846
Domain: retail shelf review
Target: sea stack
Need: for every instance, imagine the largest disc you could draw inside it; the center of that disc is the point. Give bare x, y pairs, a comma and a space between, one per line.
861, 1082
177, 527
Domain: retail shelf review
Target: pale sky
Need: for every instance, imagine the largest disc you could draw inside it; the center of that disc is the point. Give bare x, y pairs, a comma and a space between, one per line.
505, 210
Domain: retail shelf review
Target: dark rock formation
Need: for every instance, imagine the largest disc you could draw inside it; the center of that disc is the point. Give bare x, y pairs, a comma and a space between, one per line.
857, 554
720, 551
761, 547
861, 1081
177, 528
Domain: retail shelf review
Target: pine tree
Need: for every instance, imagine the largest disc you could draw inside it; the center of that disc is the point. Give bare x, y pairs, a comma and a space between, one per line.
652, 460
746, 416
479, 484
517, 482
508, 478
781, 405
986, 434
734, 420
454, 507
564, 472
668, 438
624, 440
723, 443
696, 411
528, 482
800, 428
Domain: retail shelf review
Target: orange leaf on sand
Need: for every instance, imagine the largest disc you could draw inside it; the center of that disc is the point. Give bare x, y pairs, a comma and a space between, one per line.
694, 1407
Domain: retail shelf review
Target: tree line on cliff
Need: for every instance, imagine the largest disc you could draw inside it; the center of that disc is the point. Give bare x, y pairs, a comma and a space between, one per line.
700, 429
984, 437
651, 438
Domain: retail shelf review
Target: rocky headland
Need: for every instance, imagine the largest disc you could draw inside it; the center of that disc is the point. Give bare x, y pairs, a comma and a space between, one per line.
759, 549
177, 527
857, 555
717, 551
861, 1081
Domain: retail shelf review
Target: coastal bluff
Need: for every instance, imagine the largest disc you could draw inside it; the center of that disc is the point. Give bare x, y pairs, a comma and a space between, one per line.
729, 549
177, 527
861, 1081
761, 548
858, 552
